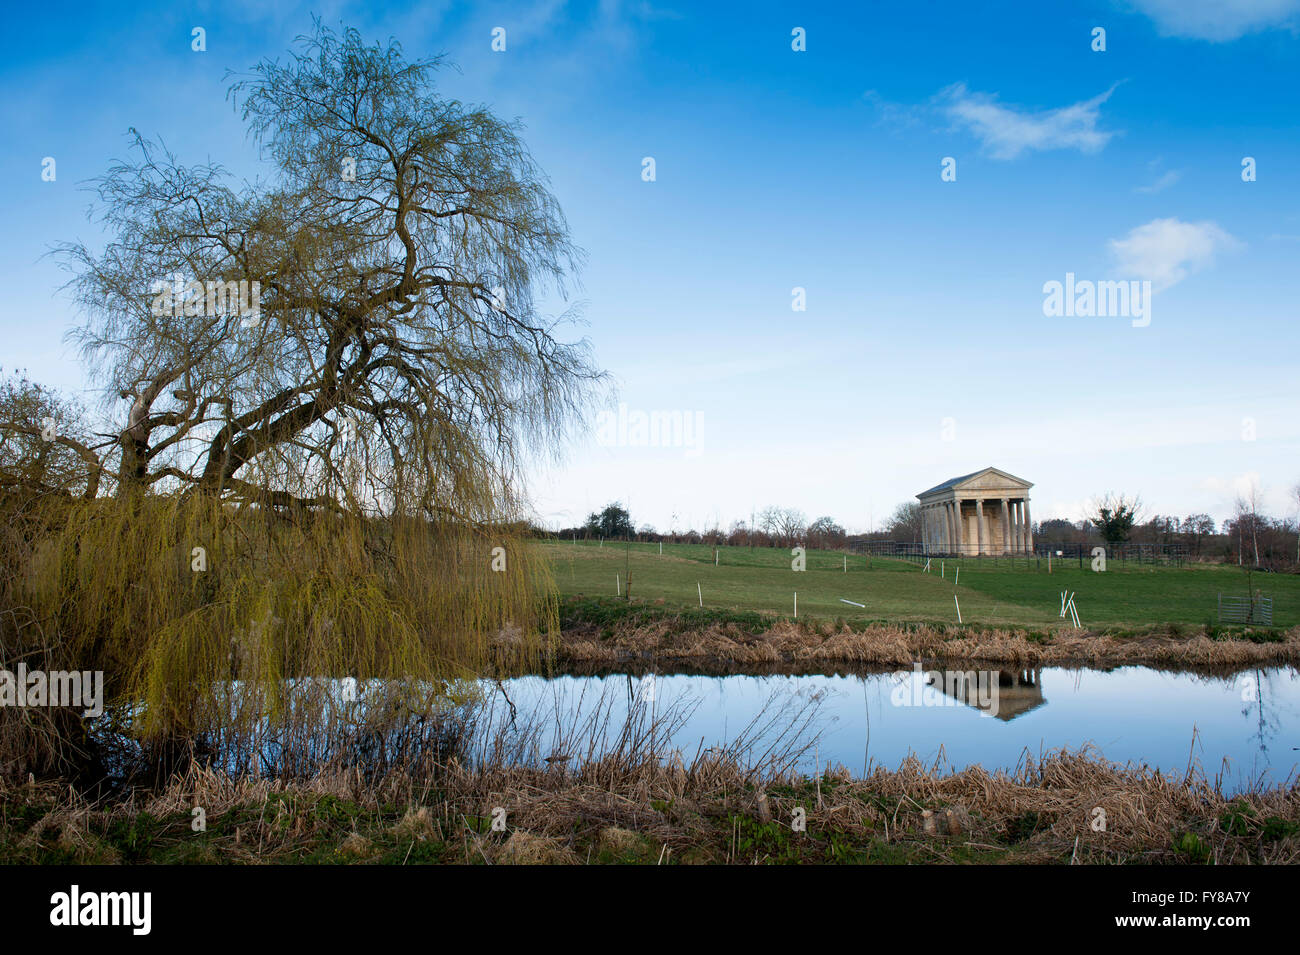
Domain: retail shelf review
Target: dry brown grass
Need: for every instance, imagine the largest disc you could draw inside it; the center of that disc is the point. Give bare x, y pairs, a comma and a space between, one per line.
789, 643
619, 792
525, 848
691, 811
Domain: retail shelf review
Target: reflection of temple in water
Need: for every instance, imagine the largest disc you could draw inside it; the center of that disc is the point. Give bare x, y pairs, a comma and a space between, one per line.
1018, 690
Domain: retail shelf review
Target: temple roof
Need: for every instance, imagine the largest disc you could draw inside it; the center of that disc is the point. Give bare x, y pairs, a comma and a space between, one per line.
953, 483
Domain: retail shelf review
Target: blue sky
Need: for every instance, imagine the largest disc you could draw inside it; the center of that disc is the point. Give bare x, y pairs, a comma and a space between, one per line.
924, 350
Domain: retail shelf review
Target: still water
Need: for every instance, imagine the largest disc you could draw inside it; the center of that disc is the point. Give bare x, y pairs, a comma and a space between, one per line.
1243, 728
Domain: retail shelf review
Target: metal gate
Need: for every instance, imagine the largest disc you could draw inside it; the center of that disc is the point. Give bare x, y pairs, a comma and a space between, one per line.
1245, 610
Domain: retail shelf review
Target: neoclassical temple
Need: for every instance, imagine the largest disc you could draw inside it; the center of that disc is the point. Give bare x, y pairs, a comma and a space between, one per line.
986, 512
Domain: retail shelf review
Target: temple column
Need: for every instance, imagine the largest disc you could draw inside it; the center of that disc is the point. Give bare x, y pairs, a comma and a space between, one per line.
948, 542
979, 526
1006, 527
961, 531
1029, 529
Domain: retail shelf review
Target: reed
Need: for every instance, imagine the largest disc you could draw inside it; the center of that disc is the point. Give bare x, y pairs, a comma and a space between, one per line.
629, 792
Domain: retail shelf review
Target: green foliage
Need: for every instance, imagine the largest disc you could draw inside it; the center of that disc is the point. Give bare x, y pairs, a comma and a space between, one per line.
1241, 819
1236, 819
613, 521
1192, 848
772, 841
1114, 517
1275, 828
1023, 826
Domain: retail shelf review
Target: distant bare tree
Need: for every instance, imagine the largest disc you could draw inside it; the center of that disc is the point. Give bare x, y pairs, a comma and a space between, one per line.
1197, 527
1058, 529
786, 525
44, 444
825, 533
1248, 519
1295, 496
905, 522
739, 534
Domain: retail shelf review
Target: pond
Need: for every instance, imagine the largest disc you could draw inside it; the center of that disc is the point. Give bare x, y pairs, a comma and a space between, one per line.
1243, 729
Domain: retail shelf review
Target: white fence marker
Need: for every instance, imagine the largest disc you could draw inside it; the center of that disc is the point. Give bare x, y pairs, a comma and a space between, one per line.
956, 578
854, 602
618, 586
796, 605
954, 600
927, 565
1067, 606
700, 592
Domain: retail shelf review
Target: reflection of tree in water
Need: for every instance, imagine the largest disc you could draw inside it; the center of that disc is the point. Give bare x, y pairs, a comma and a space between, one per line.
1252, 697
1262, 704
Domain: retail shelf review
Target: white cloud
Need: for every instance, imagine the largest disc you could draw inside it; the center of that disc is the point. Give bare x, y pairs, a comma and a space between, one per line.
1164, 182
1166, 251
888, 113
1228, 490
1239, 485
1007, 131
1217, 20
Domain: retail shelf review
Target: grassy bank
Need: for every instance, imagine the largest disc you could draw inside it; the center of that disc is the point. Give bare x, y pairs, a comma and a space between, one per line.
609, 633
991, 594
711, 811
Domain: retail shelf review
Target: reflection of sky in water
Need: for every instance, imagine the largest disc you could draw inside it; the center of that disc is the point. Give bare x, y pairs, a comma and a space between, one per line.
1129, 714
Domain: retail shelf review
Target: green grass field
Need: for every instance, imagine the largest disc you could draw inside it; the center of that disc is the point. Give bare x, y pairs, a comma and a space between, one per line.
1124, 596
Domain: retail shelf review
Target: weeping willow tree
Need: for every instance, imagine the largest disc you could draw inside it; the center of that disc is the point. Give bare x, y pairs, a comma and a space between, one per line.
322, 387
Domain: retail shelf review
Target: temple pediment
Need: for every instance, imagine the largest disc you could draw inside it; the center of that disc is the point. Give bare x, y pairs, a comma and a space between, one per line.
983, 480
